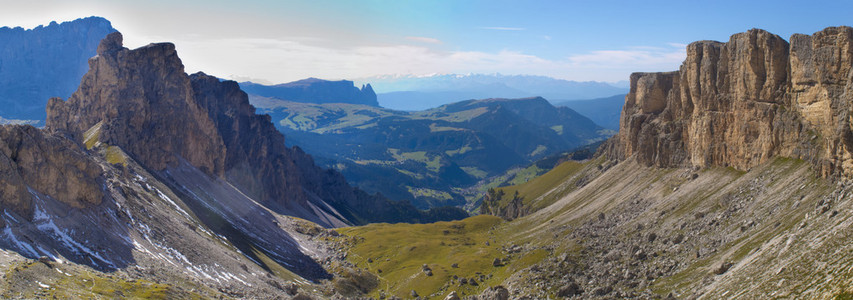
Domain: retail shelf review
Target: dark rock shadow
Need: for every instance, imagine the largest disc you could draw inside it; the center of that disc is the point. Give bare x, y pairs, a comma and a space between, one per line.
94, 236
251, 228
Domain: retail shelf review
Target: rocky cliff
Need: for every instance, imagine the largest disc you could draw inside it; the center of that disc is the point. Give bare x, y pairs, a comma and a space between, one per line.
313, 90
742, 102
162, 117
32, 161
145, 101
43, 62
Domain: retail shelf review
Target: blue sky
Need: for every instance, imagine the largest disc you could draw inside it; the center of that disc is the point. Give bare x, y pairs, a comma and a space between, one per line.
279, 41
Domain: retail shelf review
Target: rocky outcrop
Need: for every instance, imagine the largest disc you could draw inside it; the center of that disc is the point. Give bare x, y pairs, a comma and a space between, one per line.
742, 102
495, 292
507, 208
313, 90
163, 117
43, 62
146, 103
34, 161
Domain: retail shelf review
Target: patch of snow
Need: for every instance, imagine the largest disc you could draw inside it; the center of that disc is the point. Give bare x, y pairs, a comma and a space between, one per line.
175, 205
38, 214
50, 227
46, 253
140, 247
229, 275
10, 217
22, 246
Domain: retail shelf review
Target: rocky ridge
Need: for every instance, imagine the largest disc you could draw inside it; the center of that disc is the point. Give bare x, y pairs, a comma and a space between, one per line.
161, 117
43, 62
743, 102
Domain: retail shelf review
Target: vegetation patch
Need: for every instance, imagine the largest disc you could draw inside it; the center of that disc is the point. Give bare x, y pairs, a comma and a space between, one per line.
55, 281
430, 193
476, 172
533, 189
114, 156
558, 129
539, 150
462, 150
397, 254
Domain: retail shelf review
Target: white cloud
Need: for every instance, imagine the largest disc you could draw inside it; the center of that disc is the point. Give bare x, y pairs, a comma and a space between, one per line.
422, 39
278, 61
615, 58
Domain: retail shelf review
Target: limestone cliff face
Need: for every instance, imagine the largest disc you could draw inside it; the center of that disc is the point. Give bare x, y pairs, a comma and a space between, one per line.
742, 102
146, 103
49, 164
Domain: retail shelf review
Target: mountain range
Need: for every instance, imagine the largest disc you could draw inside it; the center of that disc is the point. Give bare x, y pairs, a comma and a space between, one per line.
603, 111
427, 157
728, 178
313, 90
43, 62
413, 93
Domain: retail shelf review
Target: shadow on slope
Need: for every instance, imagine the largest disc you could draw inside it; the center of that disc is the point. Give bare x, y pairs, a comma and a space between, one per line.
247, 225
92, 236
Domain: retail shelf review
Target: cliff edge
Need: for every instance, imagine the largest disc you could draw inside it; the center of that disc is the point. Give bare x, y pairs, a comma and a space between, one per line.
742, 102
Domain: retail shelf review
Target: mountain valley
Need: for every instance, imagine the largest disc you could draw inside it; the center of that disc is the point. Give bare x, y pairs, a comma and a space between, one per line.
729, 178
428, 157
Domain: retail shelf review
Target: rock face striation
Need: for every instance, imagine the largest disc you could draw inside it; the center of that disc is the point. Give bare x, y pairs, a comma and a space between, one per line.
34, 161
313, 90
742, 102
163, 117
43, 62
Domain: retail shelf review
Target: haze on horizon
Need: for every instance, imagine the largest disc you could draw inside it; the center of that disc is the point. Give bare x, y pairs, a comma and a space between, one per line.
282, 41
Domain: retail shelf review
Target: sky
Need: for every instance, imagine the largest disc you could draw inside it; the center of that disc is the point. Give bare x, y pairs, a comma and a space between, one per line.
282, 41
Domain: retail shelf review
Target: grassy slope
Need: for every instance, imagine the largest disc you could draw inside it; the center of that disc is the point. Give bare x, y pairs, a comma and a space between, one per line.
400, 251
544, 190
33, 279
779, 197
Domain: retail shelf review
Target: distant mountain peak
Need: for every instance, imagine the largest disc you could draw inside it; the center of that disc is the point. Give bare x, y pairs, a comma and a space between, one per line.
314, 90
43, 62
81, 22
